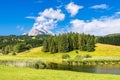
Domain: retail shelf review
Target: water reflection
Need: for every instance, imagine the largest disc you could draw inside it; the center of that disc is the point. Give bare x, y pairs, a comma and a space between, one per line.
100, 69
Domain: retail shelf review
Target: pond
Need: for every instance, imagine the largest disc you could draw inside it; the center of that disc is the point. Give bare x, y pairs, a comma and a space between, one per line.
98, 69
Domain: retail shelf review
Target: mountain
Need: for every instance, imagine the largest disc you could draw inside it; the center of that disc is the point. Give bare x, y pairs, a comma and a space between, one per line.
38, 31
115, 34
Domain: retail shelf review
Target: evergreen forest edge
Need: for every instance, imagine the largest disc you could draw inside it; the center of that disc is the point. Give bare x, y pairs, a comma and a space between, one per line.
58, 43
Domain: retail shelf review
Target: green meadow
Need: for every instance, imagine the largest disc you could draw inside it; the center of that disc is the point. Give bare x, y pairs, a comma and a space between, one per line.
12, 73
103, 51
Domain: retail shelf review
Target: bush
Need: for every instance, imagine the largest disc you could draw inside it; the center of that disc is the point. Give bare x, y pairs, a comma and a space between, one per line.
13, 53
40, 65
20, 47
78, 57
87, 56
65, 56
76, 52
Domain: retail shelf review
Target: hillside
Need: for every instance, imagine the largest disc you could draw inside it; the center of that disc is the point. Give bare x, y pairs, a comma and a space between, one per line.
101, 50
112, 39
116, 34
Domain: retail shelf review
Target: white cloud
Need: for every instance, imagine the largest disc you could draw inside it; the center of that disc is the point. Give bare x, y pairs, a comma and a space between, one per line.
101, 6
60, 6
40, 18
62, 30
46, 24
118, 13
102, 26
30, 17
48, 19
54, 14
73, 8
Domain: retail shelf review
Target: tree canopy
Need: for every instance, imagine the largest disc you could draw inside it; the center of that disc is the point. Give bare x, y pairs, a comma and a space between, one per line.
68, 42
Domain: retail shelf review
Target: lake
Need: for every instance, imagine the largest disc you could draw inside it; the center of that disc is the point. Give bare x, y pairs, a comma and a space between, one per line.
99, 69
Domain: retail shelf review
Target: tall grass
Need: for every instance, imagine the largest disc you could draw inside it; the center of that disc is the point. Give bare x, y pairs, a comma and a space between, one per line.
24, 63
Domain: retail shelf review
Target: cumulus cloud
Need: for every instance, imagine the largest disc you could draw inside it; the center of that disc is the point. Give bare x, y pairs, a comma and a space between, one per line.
101, 6
53, 14
102, 26
73, 8
48, 19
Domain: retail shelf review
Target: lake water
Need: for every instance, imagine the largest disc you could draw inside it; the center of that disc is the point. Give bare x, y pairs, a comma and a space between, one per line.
99, 69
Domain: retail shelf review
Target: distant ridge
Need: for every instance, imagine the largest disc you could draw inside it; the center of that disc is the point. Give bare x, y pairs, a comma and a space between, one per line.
114, 34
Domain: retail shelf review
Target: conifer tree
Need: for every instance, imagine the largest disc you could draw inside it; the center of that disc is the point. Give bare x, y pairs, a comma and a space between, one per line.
45, 46
53, 47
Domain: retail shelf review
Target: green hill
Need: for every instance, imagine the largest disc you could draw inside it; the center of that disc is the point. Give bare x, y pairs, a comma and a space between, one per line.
101, 50
116, 34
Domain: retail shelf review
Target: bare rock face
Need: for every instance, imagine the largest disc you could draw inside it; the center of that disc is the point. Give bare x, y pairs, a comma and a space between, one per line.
38, 31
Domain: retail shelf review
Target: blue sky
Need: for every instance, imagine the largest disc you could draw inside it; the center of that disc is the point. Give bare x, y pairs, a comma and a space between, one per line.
98, 17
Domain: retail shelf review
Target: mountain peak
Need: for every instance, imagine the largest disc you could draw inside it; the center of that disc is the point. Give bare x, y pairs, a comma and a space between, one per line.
39, 31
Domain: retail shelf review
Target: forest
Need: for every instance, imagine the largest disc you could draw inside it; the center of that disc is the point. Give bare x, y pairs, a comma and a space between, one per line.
58, 43
68, 42
15, 44
113, 39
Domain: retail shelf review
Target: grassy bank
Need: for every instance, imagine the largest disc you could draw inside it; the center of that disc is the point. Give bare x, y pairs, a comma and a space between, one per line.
12, 73
93, 61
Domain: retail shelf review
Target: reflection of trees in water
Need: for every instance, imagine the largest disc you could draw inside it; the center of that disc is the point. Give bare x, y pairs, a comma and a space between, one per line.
109, 69
53, 65
84, 68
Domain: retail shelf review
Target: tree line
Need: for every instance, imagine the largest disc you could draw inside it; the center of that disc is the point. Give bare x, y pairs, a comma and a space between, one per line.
68, 42
15, 44
113, 39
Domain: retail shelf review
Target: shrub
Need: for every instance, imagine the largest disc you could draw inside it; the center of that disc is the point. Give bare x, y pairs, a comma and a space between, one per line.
78, 57
76, 52
87, 56
13, 53
20, 47
65, 56
40, 65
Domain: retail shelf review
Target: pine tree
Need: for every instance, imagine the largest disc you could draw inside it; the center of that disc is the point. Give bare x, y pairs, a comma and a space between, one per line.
53, 47
75, 41
69, 42
63, 44
83, 42
45, 46
90, 43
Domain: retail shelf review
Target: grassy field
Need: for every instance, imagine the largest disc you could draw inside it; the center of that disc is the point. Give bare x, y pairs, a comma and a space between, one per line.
12, 73
106, 50
102, 51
